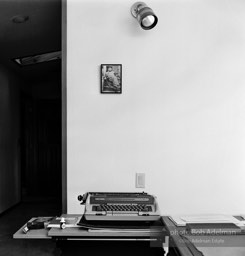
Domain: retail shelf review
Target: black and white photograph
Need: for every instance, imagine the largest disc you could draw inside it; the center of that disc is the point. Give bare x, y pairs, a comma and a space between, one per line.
122, 128
111, 78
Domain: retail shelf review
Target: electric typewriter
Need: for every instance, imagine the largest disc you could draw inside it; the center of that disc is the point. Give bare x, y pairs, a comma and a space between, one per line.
120, 206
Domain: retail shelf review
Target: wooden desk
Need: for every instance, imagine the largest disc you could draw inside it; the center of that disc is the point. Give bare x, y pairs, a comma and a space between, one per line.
109, 243
182, 244
82, 234
73, 240
76, 233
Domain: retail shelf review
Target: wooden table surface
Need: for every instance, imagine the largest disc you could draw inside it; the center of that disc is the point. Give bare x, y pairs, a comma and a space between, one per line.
79, 232
32, 234
84, 233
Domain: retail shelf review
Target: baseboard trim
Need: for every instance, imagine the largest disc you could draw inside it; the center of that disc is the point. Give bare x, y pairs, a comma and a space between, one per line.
9, 209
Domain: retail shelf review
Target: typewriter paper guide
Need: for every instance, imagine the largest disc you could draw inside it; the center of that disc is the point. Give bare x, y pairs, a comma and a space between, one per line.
121, 207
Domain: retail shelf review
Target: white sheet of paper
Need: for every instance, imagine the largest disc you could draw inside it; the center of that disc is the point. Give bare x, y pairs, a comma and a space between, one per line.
211, 218
207, 218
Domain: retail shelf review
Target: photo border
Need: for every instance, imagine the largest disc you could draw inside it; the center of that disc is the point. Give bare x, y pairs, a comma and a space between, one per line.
101, 84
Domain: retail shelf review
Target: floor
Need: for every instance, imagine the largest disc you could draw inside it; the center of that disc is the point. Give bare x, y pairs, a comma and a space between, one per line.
13, 219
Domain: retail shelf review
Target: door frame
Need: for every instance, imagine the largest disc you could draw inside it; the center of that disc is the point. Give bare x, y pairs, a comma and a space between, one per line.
64, 105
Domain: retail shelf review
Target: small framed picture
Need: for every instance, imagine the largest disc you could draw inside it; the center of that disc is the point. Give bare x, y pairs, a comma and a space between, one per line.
111, 78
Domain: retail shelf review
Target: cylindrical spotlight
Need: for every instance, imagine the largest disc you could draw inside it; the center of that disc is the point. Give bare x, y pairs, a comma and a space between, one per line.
144, 14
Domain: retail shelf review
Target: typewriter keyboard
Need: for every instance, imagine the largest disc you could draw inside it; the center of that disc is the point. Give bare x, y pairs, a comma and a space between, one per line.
123, 207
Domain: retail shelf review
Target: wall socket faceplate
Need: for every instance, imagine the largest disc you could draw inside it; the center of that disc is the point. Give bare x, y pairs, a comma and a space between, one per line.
140, 180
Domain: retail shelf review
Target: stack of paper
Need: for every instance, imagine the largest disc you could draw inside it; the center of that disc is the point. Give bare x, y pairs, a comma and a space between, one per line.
69, 222
211, 218
123, 230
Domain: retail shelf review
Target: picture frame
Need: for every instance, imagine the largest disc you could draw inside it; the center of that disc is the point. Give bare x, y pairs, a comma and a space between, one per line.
111, 78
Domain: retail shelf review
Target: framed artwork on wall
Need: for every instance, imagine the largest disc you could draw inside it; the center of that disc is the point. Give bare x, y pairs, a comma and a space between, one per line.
111, 78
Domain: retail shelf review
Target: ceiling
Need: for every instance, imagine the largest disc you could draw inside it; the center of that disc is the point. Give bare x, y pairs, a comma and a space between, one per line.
40, 34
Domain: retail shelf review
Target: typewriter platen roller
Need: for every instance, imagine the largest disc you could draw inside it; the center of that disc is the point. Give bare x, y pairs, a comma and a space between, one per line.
120, 206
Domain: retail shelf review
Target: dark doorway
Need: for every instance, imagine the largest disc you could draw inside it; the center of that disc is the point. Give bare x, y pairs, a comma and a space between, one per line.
30, 29
41, 148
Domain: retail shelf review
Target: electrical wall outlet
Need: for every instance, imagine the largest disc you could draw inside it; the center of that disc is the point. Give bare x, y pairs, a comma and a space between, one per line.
140, 180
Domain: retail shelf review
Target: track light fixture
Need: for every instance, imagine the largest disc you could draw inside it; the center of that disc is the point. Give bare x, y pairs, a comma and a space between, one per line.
144, 14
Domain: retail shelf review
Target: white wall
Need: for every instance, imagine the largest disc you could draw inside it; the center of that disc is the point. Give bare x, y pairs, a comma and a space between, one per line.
181, 116
9, 145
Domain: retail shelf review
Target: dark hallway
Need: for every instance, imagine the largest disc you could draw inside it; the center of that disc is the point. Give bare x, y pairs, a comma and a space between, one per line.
30, 119
41, 147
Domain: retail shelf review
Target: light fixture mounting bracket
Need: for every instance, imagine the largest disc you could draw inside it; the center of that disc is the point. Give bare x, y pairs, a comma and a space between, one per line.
135, 7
